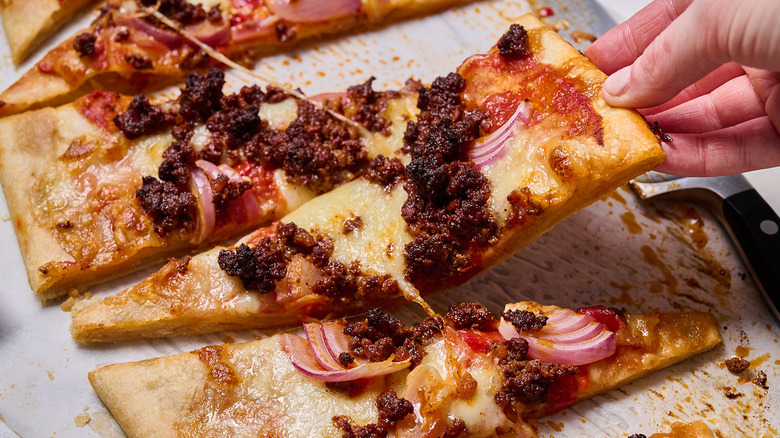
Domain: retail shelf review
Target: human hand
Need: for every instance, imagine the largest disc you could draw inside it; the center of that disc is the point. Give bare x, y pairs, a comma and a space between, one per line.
708, 71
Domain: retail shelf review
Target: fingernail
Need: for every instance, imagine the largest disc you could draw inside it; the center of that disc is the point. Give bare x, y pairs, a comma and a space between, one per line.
617, 84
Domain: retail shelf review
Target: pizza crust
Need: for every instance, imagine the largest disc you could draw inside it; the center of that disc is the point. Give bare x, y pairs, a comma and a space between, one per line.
28, 23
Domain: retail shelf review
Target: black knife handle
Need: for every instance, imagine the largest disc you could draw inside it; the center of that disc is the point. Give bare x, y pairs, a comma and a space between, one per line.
757, 230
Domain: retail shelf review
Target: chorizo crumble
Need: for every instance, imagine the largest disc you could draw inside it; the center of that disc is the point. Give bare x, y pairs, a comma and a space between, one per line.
392, 409
471, 315
446, 210
84, 43
524, 321
316, 149
514, 43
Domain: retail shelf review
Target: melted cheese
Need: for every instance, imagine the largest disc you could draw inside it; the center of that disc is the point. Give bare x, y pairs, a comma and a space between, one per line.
378, 243
524, 164
279, 115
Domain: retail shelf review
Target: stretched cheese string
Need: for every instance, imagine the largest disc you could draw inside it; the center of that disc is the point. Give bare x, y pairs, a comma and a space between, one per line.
232, 64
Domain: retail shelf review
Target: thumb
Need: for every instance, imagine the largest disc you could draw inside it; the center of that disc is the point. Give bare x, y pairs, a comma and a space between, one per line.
708, 34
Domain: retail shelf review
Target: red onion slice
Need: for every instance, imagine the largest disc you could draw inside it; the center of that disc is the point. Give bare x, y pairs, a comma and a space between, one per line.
335, 339
304, 361
588, 331
313, 11
567, 338
319, 348
489, 148
210, 168
599, 347
166, 37
208, 215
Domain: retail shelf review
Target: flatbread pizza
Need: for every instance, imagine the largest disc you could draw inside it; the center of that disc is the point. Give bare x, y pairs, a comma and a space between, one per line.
461, 375
499, 153
127, 49
108, 184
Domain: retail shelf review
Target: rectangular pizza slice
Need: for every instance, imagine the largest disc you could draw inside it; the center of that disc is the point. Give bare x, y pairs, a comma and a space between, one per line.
27, 23
105, 185
464, 375
127, 49
498, 154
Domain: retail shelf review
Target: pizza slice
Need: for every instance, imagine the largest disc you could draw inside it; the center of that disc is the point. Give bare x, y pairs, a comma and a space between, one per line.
27, 23
462, 375
105, 185
126, 49
499, 153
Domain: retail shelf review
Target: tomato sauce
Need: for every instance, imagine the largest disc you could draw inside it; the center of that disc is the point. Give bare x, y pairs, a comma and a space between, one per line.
100, 107
557, 100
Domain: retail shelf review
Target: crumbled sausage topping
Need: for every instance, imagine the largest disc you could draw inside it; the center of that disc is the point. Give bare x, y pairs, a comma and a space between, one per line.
737, 365
84, 43
140, 118
392, 409
386, 171
471, 315
260, 266
524, 321
514, 43
138, 61
201, 96
457, 429
365, 106
169, 207
177, 160
179, 10
351, 224
446, 209
376, 338
525, 383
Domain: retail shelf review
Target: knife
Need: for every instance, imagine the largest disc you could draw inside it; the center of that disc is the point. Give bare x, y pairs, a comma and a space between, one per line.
752, 223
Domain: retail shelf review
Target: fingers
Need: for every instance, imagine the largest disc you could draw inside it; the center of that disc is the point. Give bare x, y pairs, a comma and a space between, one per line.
620, 46
732, 103
707, 34
706, 85
752, 145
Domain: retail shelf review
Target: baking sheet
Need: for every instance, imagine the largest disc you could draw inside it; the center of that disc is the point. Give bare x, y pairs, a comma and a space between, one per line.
617, 252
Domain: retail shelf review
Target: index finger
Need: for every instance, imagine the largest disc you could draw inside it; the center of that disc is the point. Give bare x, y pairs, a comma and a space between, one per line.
621, 45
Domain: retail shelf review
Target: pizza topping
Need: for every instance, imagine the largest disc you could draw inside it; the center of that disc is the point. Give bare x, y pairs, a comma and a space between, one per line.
514, 43
392, 409
352, 223
446, 209
386, 171
168, 206
313, 11
179, 10
258, 267
565, 337
364, 106
376, 338
491, 147
84, 43
316, 150
737, 365
528, 384
141, 118
138, 61
265, 262
612, 318
524, 321
471, 315
177, 160
202, 95
302, 358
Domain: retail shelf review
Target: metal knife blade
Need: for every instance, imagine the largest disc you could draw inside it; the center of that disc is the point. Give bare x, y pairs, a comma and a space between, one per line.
752, 223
